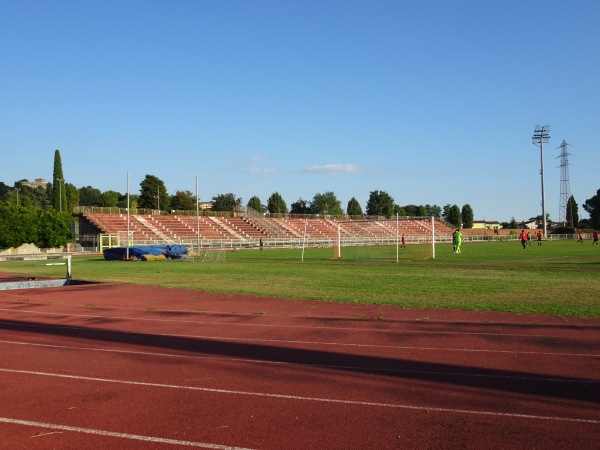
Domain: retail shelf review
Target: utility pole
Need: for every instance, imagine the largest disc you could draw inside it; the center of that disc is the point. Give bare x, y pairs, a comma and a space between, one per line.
541, 136
157, 197
565, 188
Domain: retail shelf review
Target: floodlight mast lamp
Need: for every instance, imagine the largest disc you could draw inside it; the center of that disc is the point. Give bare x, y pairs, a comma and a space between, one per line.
541, 136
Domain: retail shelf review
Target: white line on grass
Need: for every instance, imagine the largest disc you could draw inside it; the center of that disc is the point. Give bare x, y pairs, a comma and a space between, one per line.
309, 399
320, 366
137, 437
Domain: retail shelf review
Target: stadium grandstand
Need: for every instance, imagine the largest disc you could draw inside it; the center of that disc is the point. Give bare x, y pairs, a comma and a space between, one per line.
242, 229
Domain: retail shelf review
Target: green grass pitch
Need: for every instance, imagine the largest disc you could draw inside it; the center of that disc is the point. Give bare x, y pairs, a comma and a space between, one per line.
560, 277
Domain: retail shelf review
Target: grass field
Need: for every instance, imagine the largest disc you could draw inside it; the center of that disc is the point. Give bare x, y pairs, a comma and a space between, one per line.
561, 278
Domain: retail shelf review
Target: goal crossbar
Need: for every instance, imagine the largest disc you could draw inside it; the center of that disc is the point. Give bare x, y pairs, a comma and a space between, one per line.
385, 232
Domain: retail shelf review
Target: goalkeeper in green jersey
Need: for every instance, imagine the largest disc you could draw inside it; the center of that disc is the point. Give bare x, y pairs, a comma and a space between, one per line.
458, 240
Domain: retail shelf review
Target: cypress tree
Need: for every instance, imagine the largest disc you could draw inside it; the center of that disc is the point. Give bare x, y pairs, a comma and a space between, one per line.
354, 208
59, 193
572, 216
276, 204
467, 216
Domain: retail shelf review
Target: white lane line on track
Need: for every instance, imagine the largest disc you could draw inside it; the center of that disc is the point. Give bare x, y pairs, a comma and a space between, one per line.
266, 325
318, 343
309, 399
320, 366
137, 437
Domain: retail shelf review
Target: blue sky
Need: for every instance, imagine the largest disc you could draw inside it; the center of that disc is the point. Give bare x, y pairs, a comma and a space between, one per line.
434, 102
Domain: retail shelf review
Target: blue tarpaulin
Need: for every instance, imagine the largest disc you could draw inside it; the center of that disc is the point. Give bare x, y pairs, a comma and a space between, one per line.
171, 251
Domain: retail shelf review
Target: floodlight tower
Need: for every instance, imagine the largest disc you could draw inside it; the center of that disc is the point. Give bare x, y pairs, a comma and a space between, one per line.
565, 188
541, 136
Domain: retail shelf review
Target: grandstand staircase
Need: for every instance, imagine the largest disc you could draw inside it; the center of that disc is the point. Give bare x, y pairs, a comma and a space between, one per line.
388, 230
152, 228
289, 229
229, 230
270, 227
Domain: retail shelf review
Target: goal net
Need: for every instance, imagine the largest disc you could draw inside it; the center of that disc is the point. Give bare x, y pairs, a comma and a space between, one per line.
206, 256
400, 238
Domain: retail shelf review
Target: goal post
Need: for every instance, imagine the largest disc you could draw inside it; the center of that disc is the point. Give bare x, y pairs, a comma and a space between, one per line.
399, 238
109, 241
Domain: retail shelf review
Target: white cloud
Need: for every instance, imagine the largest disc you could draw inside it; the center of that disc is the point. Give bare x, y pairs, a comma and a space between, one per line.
262, 171
334, 168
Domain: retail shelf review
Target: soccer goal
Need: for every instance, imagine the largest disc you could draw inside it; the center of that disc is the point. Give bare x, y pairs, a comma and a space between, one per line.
207, 256
400, 238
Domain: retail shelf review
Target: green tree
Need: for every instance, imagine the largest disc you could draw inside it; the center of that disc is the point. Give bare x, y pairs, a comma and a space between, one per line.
39, 197
24, 193
354, 208
300, 206
153, 194
592, 207
255, 204
54, 229
89, 196
380, 203
446, 211
72, 196
467, 216
31, 224
225, 202
453, 217
12, 195
434, 210
5, 192
585, 223
411, 210
133, 201
326, 203
399, 211
183, 201
18, 225
59, 194
276, 204
109, 199
540, 223
572, 216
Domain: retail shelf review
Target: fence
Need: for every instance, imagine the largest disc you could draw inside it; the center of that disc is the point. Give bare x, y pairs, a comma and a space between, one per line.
242, 211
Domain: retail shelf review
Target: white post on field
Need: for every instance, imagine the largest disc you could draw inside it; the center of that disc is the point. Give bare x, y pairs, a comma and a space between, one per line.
304, 239
339, 249
128, 208
197, 217
69, 275
397, 247
433, 237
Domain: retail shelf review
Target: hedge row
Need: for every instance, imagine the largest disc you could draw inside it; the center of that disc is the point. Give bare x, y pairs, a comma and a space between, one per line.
29, 224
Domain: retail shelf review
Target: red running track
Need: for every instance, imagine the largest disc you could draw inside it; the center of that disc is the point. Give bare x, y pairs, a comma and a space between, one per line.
130, 367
